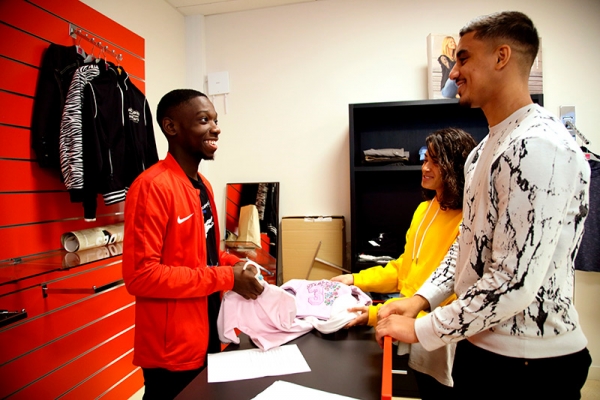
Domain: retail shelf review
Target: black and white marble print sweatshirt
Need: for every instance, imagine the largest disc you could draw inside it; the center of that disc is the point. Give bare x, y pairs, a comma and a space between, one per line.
526, 200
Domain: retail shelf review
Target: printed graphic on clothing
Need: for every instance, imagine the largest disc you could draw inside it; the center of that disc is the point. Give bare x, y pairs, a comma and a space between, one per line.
182, 220
323, 292
208, 222
134, 115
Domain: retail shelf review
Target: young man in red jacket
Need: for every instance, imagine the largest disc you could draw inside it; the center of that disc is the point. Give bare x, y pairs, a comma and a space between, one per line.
171, 258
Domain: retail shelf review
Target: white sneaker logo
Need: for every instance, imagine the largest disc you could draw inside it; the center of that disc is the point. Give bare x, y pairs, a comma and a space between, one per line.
182, 220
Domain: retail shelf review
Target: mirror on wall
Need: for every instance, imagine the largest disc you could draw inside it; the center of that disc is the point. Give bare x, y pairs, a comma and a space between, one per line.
265, 197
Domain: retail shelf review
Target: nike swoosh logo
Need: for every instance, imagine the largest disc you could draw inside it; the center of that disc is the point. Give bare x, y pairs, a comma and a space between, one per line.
182, 220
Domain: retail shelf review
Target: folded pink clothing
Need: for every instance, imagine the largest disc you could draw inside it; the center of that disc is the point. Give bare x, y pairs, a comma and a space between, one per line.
317, 298
269, 321
272, 319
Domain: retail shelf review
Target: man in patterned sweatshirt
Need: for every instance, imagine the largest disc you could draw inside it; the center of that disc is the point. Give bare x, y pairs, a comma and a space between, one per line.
525, 203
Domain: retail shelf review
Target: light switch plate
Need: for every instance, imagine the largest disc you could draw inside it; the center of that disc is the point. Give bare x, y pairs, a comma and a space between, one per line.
218, 83
567, 113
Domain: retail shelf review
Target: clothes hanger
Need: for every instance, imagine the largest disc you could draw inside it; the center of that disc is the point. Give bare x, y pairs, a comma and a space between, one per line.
589, 155
78, 47
90, 57
99, 58
104, 49
118, 58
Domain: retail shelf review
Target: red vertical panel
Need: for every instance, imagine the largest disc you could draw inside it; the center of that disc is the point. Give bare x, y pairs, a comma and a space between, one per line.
27, 176
94, 387
46, 268
46, 206
15, 143
17, 77
79, 310
130, 386
232, 206
35, 21
55, 353
32, 239
15, 110
67, 378
21, 46
34, 214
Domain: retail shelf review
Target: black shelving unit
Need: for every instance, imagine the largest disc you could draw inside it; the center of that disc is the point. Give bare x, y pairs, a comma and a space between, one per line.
384, 197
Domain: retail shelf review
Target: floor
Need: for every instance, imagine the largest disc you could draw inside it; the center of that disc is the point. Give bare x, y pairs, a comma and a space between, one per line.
591, 391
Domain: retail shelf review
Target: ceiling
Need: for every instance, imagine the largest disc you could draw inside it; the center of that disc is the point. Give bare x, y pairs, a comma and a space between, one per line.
210, 7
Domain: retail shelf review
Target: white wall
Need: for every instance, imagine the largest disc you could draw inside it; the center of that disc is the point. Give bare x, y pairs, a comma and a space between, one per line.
294, 69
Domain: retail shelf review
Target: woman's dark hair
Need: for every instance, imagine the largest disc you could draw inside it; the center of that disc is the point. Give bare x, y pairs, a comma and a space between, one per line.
449, 149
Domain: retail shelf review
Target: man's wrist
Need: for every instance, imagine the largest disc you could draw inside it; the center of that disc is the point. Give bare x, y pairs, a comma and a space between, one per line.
422, 302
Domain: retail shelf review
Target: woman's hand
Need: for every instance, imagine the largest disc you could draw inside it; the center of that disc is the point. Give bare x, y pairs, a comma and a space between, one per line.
362, 319
346, 279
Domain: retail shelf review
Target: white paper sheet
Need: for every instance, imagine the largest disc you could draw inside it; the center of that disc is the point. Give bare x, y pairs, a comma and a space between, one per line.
291, 391
255, 363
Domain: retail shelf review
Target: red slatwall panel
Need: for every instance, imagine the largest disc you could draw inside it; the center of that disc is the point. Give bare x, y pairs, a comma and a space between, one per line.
32, 333
71, 345
93, 388
126, 388
18, 77
45, 359
45, 206
20, 45
232, 208
82, 369
15, 142
36, 238
41, 269
37, 305
16, 109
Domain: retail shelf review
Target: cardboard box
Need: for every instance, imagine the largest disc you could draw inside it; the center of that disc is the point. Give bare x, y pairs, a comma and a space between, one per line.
300, 237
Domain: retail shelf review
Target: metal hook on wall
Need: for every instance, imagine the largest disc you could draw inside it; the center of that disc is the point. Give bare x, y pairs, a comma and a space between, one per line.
78, 33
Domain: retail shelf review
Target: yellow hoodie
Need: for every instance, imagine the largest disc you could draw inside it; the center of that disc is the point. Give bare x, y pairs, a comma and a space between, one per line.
422, 255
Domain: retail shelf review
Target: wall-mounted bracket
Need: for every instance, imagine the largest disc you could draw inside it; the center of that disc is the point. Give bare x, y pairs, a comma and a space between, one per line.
567, 117
91, 290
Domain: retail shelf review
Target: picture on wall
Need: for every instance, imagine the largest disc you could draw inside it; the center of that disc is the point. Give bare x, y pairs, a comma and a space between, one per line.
441, 57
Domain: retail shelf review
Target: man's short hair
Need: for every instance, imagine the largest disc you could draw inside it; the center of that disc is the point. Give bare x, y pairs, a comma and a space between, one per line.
172, 100
513, 26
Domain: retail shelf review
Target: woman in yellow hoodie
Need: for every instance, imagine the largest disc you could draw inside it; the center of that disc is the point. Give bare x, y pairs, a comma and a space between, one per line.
433, 229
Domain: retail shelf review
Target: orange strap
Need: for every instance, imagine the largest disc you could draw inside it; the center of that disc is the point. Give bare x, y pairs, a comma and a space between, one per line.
386, 372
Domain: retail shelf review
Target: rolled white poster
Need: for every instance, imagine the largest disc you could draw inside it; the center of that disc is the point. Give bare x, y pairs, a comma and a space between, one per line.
93, 237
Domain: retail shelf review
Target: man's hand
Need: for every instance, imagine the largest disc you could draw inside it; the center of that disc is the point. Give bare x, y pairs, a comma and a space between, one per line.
398, 327
409, 307
244, 282
346, 279
363, 317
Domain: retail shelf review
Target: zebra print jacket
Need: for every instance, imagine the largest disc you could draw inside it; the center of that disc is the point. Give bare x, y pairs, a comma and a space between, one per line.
107, 136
